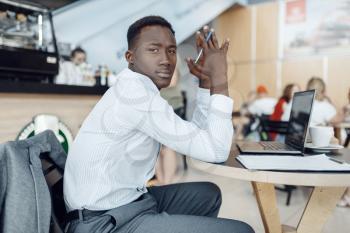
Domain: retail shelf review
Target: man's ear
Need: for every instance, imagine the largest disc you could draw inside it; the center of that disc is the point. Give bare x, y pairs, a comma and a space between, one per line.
129, 56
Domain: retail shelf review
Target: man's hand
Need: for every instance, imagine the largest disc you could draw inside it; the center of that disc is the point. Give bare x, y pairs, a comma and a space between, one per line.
212, 66
197, 68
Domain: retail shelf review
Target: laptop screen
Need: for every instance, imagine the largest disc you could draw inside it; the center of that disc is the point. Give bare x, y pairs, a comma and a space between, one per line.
299, 119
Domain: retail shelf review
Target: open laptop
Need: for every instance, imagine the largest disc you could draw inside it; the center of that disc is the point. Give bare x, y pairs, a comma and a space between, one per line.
297, 129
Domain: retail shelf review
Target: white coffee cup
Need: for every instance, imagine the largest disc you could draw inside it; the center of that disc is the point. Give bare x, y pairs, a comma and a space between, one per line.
321, 135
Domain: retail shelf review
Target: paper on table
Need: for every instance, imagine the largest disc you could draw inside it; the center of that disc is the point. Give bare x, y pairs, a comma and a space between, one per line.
291, 163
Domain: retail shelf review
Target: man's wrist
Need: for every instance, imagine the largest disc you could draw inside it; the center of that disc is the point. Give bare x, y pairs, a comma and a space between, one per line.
219, 86
204, 84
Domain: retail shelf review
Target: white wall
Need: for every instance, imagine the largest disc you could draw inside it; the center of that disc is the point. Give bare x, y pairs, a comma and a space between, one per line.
100, 26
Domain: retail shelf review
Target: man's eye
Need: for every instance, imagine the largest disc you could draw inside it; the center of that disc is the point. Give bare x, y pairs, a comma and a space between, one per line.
172, 51
154, 50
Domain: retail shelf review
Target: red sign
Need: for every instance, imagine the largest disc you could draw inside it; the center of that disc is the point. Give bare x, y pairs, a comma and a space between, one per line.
295, 11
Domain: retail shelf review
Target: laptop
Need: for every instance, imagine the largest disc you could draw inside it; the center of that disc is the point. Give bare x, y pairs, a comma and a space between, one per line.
296, 132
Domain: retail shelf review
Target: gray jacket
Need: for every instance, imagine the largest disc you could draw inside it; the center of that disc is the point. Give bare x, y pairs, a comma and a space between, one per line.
25, 204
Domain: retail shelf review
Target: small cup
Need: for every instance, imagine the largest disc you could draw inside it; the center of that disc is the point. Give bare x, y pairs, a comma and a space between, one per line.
321, 135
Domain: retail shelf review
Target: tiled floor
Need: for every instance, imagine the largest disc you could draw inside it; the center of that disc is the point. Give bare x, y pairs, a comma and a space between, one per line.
239, 203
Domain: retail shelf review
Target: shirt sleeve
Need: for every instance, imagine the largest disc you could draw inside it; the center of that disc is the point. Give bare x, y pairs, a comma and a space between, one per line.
153, 116
200, 112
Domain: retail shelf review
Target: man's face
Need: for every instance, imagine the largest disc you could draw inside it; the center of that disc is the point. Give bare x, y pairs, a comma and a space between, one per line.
79, 58
154, 55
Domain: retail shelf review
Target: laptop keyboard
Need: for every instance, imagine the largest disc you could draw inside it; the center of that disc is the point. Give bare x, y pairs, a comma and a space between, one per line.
274, 146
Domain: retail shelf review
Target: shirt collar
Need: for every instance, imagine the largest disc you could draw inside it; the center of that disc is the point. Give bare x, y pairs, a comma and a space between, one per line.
143, 78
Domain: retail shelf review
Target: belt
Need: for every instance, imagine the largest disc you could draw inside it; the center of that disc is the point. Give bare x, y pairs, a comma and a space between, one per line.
83, 214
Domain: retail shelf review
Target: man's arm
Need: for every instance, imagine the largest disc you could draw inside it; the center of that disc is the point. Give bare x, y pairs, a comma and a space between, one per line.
211, 70
157, 119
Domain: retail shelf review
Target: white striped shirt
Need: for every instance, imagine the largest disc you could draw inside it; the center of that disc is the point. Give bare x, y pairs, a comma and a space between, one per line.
114, 154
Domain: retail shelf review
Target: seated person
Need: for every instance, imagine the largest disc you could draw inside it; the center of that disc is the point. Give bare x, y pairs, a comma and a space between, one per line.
263, 104
323, 111
75, 71
345, 201
282, 104
114, 154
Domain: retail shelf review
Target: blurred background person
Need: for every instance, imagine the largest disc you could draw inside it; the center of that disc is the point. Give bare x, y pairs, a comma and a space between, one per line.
244, 120
323, 112
263, 104
283, 101
345, 201
282, 104
346, 110
76, 71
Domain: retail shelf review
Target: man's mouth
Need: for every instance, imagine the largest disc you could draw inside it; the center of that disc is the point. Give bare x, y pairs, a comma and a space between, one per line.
164, 74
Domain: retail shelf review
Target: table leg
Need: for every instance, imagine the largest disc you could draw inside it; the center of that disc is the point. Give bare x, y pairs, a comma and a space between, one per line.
320, 206
266, 198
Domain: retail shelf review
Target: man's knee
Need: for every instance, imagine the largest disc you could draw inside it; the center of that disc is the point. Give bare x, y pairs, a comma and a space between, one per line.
239, 227
212, 190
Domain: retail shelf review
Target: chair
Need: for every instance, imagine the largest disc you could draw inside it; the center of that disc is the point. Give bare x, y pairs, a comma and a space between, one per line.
54, 179
183, 116
347, 140
266, 128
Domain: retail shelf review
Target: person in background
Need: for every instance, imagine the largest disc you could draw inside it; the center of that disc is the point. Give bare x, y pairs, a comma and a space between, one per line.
76, 71
167, 160
285, 99
263, 104
346, 110
345, 201
323, 112
282, 104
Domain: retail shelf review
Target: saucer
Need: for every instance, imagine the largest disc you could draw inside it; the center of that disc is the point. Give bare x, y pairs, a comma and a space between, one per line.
330, 147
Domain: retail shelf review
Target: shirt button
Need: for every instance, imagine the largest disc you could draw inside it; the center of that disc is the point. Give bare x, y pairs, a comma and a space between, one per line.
141, 189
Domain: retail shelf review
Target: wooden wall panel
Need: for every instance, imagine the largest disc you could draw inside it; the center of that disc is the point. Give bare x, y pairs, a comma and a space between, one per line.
266, 75
300, 71
338, 83
235, 24
240, 84
267, 31
19, 109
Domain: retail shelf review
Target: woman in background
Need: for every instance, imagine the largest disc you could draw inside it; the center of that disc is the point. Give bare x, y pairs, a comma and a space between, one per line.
323, 112
282, 104
285, 99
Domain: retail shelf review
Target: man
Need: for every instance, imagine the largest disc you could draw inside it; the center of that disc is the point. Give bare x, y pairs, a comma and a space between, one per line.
75, 71
115, 151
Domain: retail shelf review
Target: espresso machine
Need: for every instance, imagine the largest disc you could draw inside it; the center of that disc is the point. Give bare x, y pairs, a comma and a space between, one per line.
28, 49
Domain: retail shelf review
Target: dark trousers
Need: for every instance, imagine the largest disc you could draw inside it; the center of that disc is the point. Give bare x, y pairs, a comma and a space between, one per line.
177, 208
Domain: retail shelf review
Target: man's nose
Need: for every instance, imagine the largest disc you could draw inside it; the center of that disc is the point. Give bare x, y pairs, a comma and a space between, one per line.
165, 60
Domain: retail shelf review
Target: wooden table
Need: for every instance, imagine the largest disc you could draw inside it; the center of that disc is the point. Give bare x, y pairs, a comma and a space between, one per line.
327, 191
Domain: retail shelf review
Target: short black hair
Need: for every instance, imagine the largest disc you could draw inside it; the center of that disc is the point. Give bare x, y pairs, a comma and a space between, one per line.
135, 28
77, 50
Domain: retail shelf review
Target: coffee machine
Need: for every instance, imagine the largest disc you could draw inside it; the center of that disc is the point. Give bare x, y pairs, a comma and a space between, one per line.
28, 49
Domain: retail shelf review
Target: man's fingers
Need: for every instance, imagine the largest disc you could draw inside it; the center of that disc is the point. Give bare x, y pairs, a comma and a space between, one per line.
214, 39
225, 45
205, 31
195, 69
210, 41
198, 41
